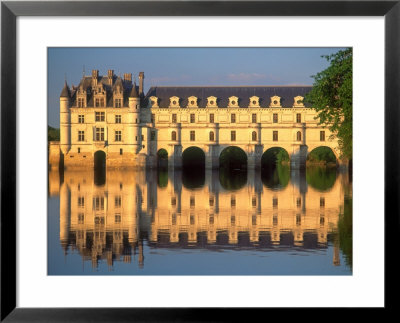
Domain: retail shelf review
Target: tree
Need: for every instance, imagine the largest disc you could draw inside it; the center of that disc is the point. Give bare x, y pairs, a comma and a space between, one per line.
332, 97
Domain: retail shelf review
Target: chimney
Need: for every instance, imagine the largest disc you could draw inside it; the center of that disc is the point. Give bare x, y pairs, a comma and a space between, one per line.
128, 77
95, 75
110, 75
141, 78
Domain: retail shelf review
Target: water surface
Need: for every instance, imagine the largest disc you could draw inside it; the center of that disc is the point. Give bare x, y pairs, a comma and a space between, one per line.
190, 222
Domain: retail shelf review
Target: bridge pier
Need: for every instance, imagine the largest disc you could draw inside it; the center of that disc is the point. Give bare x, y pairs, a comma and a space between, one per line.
175, 158
298, 158
212, 157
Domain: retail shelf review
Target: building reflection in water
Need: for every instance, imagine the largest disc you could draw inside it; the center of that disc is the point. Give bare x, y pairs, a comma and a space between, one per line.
110, 219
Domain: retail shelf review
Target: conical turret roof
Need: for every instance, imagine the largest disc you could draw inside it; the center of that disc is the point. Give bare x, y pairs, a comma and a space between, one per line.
134, 93
65, 93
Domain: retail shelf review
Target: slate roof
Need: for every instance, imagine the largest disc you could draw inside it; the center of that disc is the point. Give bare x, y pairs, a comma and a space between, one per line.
86, 83
287, 94
65, 93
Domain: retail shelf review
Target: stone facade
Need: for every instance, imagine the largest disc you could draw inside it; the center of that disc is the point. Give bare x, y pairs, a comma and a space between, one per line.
112, 115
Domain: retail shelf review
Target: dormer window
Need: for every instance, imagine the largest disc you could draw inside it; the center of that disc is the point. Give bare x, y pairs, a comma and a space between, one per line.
153, 102
298, 102
174, 102
233, 102
192, 102
212, 102
254, 102
275, 102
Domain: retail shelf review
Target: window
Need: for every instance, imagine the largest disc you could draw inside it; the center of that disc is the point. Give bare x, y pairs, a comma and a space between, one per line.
192, 136
117, 201
254, 118
233, 135
117, 218
211, 117
298, 136
275, 220
298, 118
99, 116
275, 202
192, 118
233, 201
212, 136
322, 202
79, 150
118, 135
121, 152
118, 103
254, 136
81, 118
211, 201
173, 135
81, 218
81, 102
254, 220
174, 219
298, 219
254, 201
322, 135
152, 135
233, 220
298, 202
275, 117
173, 201
99, 102
99, 135
233, 118
192, 201
81, 201
211, 219
117, 118
192, 221
174, 118
81, 135
275, 136
98, 203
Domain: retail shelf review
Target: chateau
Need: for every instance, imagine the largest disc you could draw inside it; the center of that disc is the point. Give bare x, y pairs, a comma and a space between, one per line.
110, 119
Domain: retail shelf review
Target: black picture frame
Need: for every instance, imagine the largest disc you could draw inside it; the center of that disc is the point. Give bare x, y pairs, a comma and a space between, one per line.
10, 10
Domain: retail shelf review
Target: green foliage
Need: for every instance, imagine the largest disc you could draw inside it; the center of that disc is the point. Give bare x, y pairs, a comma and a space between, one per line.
233, 157
162, 154
193, 156
276, 177
321, 178
232, 180
53, 134
274, 156
162, 178
345, 228
322, 154
332, 97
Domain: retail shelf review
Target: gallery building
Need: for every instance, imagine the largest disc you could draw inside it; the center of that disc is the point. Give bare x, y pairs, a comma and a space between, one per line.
110, 119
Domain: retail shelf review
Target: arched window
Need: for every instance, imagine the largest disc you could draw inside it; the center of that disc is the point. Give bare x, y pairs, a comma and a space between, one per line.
173, 135
212, 136
298, 136
254, 136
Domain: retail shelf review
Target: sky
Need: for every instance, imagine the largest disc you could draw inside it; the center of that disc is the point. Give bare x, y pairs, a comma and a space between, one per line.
182, 66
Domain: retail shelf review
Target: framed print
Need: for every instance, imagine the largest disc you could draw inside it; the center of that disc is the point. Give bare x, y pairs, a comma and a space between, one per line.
191, 167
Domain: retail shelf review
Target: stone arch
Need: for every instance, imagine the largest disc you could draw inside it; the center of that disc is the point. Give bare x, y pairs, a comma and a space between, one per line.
193, 167
273, 155
99, 161
162, 158
193, 156
233, 157
322, 155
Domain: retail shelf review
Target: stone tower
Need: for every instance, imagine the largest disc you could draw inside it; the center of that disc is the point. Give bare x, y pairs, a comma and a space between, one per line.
134, 117
65, 119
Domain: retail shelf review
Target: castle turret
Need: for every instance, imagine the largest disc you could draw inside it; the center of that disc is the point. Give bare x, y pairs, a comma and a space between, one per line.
134, 116
141, 79
65, 118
